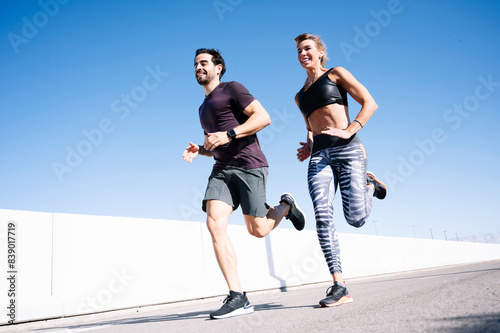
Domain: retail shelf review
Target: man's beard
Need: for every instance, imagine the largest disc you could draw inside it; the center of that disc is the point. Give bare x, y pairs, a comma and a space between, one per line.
204, 80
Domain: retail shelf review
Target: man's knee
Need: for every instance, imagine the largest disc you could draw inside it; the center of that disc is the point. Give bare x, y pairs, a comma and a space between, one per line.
257, 233
218, 214
254, 226
215, 226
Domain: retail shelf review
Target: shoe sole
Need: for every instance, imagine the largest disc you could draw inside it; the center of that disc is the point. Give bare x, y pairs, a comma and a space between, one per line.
342, 300
237, 312
300, 210
372, 176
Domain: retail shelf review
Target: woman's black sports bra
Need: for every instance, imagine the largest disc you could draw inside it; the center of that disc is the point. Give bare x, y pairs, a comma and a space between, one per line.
322, 92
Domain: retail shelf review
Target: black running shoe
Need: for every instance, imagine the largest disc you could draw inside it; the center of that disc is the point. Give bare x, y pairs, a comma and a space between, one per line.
235, 304
336, 295
295, 214
380, 188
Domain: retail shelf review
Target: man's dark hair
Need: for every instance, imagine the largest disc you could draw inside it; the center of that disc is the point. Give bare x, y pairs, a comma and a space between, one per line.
216, 58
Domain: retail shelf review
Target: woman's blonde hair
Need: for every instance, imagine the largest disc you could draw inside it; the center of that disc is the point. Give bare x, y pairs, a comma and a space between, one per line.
320, 45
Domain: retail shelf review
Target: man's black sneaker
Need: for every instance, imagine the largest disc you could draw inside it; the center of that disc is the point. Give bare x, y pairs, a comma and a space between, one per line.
235, 304
336, 295
295, 214
380, 188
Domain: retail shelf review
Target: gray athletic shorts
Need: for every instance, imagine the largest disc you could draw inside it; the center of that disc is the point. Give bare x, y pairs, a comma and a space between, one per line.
236, 186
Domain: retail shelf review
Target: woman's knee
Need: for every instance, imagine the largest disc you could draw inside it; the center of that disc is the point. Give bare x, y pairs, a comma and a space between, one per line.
357, 223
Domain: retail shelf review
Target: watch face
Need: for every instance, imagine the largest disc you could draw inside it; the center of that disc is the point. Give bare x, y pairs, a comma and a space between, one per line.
231, 133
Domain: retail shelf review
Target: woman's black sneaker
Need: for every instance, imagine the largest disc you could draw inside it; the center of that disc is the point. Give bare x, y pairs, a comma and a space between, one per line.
336, 295
380, 188
235, 304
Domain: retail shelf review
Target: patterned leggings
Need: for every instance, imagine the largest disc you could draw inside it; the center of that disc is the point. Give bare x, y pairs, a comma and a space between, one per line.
329, 167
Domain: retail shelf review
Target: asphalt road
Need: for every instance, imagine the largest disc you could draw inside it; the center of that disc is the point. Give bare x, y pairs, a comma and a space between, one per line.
463, 298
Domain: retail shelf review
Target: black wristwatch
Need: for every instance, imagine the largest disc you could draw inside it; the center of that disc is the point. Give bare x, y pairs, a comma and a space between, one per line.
232, 134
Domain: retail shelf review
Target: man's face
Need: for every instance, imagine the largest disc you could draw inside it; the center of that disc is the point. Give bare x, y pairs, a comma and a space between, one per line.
204, 69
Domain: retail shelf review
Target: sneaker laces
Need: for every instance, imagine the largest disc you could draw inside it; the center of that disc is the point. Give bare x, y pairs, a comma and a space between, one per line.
229, 299
332, 289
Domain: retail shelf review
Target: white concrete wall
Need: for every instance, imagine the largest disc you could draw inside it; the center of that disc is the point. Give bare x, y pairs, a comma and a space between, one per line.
76, 264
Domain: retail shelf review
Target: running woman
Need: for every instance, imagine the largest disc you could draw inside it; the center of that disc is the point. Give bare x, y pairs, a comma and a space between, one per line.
338, 157
230, 117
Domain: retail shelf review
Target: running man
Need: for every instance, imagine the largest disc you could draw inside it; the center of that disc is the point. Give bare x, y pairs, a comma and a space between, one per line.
230, 117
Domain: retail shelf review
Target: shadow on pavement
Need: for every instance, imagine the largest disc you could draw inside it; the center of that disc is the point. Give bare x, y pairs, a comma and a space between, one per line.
167, 318
477, 323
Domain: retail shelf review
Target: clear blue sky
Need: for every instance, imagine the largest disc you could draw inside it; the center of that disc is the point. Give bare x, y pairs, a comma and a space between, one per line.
98, 101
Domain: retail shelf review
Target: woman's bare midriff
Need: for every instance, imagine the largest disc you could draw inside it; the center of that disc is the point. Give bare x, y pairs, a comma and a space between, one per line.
333, 115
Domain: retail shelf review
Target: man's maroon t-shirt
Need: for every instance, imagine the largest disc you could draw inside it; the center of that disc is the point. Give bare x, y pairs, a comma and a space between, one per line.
222, 110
